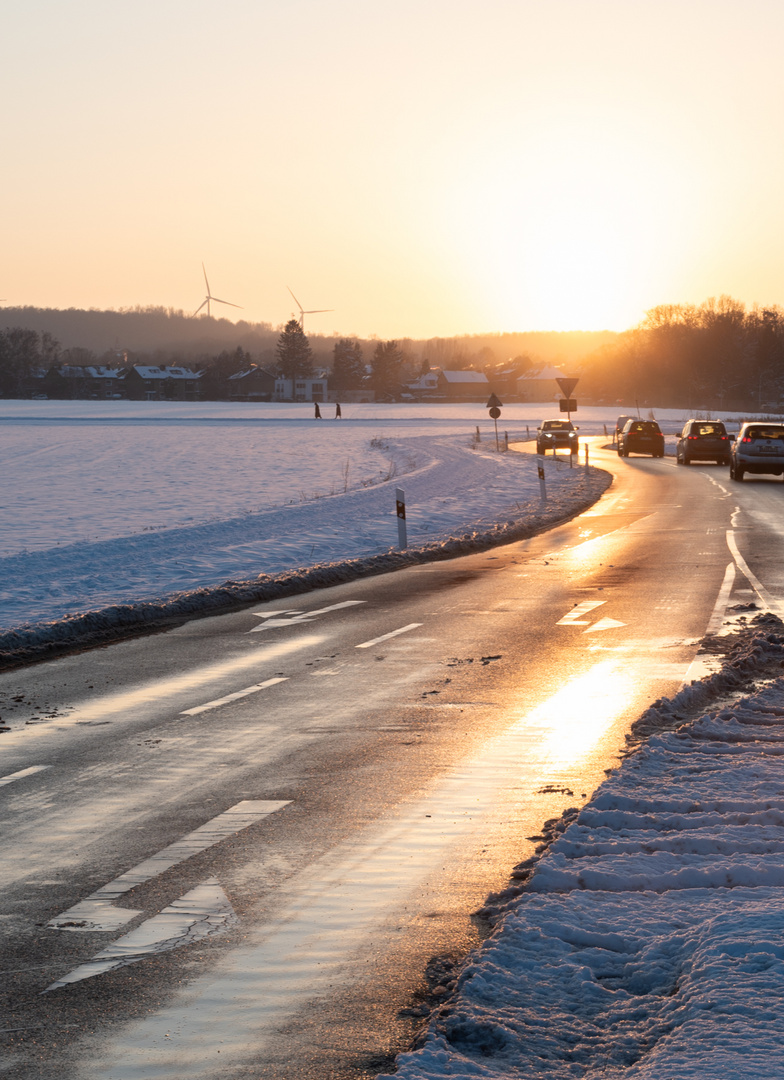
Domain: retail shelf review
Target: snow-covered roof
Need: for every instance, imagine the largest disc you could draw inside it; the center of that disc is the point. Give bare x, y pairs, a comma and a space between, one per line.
254, 370
102, 372
465, 376
152, 371
542, 373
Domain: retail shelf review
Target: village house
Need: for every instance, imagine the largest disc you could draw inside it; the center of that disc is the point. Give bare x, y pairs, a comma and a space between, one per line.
152, 383
310, 389
539, 384
253, 384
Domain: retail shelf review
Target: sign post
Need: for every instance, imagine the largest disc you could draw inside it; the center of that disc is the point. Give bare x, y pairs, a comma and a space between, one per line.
542, 484
568, 404
494, 405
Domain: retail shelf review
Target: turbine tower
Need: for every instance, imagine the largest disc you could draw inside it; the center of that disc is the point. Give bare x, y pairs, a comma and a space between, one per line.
303, 313
210, 298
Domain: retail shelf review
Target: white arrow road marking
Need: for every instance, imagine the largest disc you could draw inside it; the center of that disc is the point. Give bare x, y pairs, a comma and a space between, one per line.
203, 911
233, 697
603, 624
575, 616
306, 616
386, 637
22, 772
97, 911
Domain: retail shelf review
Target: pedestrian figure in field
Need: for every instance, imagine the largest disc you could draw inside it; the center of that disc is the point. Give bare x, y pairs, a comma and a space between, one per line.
318, 412
338, 413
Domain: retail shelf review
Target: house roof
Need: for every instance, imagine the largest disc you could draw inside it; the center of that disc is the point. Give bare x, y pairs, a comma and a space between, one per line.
255, 370
150, 371
549, 372
465, 376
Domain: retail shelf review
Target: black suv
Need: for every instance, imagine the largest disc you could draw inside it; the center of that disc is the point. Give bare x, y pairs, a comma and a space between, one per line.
641, 437
703, 440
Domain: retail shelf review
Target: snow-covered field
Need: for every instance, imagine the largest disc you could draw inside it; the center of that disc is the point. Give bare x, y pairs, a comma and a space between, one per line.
108, 504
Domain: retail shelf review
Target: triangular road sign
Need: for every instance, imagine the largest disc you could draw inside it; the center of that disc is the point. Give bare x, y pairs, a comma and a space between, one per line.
567, 385
493, 403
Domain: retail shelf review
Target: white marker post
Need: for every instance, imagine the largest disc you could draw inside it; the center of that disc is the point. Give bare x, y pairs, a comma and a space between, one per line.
586, 454
400, 496
542, 484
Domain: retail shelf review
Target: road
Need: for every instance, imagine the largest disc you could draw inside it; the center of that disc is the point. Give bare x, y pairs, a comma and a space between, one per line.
253, 846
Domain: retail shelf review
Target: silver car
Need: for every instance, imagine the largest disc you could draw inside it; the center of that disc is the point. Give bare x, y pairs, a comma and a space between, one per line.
758, 448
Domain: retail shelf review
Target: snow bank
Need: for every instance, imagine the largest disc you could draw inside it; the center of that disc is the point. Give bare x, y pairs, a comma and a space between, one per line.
648, 940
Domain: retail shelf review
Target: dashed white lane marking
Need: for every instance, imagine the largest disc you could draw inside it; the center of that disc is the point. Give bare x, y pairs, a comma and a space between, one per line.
386, 637
22, 772
720, 607
97, 911
575, 616
603, 624
297, 618
233, 697
203, 911
769, 601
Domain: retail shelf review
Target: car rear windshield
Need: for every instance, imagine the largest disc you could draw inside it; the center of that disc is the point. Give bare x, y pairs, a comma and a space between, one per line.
708, 429
648, 427
759, 432
557, 425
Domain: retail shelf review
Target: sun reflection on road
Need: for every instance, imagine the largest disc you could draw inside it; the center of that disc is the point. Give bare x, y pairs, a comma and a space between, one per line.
579, 714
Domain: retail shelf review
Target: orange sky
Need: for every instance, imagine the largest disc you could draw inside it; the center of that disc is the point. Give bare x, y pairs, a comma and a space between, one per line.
423, 168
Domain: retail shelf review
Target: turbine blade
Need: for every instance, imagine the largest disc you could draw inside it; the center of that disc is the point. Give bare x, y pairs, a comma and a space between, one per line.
215, 300
205, 279
297, 301
198, 309
318, 311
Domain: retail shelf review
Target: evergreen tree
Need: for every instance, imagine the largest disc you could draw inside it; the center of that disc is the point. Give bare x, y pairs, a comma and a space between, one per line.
294, 356
348, 369
386, 373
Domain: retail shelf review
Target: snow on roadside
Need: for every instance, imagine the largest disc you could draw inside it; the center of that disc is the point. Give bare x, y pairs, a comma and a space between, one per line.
647, 941
460, 497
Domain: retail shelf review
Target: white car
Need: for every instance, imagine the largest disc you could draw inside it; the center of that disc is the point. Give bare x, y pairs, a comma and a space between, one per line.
758, 448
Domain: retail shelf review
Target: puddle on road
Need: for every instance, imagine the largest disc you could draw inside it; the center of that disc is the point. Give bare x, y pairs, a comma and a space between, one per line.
340, 899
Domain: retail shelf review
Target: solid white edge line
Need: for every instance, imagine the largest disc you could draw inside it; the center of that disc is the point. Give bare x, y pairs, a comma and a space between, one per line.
720, 607
756, 584
385, 637
233, 697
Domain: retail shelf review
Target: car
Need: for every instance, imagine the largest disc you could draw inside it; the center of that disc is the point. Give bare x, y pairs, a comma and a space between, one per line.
641, 437
554, 433
620, 424
758, 448
703, 440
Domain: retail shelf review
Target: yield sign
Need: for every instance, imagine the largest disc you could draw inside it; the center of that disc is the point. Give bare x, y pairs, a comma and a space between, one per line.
567, 385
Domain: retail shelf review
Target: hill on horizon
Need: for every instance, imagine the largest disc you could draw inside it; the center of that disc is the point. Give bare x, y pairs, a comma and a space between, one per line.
159, 329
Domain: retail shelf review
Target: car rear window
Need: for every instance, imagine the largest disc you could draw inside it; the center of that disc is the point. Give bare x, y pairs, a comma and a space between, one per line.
765, 432
708, 429
646, 426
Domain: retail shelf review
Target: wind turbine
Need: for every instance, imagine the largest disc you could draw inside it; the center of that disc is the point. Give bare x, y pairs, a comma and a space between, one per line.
303, 313
209, 297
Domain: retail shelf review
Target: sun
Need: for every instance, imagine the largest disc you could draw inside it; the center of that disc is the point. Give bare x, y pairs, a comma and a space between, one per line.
572, 241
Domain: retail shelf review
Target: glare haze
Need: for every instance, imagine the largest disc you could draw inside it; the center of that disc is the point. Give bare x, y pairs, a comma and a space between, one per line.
422, 169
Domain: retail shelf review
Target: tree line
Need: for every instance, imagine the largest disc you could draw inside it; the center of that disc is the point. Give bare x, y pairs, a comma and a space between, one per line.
714, 356
25, 355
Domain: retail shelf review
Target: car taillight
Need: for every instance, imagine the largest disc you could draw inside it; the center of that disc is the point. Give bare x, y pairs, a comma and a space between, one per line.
747, 438
692, 436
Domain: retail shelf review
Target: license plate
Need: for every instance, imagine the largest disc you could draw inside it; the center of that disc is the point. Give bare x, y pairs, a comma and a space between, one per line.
769, 449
